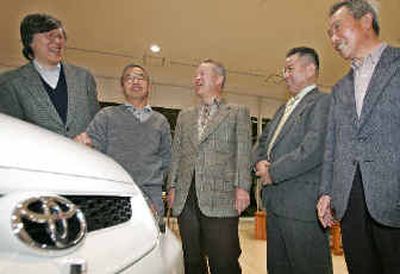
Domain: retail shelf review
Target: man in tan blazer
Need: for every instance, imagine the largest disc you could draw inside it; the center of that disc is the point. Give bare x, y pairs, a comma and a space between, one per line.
209, 175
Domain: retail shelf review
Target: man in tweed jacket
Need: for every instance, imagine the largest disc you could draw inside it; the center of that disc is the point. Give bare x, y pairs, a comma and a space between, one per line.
209, 176
361, 177
46, 91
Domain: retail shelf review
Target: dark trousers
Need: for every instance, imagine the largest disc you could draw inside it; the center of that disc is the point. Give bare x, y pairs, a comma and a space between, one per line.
207, 237
369, 247
297, 247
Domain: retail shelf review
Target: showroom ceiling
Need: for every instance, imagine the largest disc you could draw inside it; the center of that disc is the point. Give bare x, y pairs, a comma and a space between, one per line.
250, 37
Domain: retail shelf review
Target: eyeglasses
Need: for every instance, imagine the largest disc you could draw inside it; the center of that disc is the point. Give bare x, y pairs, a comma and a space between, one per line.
335, 28
287, 70
130, 78
53, 35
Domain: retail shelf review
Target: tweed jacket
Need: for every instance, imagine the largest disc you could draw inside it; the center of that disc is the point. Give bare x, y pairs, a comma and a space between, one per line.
23, 96
220, 160
295, 157
371, 141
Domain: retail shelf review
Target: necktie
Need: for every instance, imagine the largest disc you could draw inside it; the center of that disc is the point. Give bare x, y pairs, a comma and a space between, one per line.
288, 109
204, 118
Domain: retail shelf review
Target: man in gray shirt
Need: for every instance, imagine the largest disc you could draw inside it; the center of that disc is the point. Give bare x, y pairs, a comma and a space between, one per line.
134, 135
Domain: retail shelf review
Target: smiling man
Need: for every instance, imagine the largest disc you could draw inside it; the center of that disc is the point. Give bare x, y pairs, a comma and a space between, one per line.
361, 179
288, 159
46, 91
209, 178
134, 135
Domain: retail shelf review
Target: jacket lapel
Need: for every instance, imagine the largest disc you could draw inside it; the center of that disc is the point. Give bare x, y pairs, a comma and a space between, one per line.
309, 98
215, 121
275, 122
73, 89
382, 74
349, 97
193, 127
34, 86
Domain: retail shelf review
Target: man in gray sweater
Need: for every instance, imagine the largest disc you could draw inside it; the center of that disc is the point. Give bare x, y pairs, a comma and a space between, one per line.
134, 135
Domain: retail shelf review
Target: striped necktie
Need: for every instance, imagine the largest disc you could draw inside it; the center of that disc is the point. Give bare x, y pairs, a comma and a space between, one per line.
288, 110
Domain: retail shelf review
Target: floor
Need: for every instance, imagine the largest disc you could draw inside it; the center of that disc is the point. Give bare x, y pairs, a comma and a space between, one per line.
253, 251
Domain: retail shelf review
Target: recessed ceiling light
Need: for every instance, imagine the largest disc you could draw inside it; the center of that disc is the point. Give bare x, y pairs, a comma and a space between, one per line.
155, 48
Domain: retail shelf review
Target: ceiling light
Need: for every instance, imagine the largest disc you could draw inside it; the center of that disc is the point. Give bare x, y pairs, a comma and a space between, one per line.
155, 48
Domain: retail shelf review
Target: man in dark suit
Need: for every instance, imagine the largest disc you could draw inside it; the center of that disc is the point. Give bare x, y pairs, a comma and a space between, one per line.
361, 176
288, 159
209, 176
46, 91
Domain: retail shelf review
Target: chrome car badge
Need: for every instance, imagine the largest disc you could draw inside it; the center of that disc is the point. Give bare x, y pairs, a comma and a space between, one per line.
49, 223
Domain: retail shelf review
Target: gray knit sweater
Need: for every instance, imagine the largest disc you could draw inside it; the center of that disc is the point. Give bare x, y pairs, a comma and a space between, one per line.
142, 148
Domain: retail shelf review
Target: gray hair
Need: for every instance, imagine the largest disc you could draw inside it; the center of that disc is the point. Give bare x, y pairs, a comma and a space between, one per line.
218, 68
358, 8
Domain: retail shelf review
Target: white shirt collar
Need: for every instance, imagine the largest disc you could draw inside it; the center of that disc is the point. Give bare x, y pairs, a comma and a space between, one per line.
304, 92
50, 76
40, 67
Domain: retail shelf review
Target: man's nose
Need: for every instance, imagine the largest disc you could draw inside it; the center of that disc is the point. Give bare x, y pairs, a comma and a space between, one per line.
334, 39
285, 74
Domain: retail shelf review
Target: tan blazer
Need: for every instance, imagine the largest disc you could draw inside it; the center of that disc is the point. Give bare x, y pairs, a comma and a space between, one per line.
220, 160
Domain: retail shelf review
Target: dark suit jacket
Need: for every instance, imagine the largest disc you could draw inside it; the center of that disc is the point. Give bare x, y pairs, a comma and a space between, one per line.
372, 142
296, 158
23, 95
220, 161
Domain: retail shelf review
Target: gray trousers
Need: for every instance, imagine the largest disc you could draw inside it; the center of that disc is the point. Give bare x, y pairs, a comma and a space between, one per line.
297, 247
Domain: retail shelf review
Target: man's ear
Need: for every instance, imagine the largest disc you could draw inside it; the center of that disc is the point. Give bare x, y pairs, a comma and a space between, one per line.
311, 70
366, 21
220, 80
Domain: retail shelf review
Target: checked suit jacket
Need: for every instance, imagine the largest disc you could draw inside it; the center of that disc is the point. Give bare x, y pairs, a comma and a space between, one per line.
22, 95
219, 161
371, 141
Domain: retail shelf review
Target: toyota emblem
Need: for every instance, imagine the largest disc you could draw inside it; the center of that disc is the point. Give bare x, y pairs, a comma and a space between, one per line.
49, 223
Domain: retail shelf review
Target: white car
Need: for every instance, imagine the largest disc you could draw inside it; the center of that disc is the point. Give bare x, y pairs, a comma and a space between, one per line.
66, 208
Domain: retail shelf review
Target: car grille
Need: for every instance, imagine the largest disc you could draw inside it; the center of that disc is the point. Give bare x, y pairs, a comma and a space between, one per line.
103, 211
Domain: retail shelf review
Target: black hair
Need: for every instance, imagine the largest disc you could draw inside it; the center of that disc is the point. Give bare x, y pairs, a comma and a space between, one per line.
132, 65
36, 23
310, 53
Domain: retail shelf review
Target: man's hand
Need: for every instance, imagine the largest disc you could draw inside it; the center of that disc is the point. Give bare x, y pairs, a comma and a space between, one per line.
242, 200
84, 139
262, 170
171, 197
324, 211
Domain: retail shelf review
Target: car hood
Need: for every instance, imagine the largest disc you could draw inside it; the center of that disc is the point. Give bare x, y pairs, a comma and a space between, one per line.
37, 154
